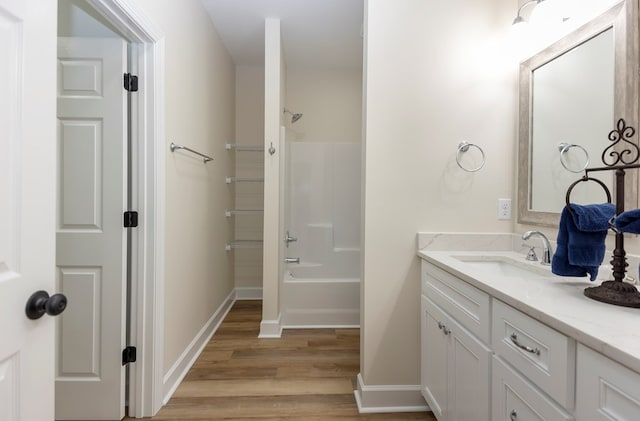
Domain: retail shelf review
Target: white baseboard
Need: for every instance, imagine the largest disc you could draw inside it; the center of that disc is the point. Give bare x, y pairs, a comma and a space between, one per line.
270, 329
181, 367
245, 293
389, 398
321, 318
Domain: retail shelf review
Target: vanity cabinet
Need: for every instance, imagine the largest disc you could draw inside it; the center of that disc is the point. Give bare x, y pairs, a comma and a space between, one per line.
455, 369
540, 347
484, 360
605, 389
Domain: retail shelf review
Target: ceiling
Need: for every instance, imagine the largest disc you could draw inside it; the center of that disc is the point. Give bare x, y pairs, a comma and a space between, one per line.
315, 33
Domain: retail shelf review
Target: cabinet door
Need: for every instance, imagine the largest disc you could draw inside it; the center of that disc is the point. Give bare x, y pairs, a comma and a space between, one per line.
605, 389
469, 376
516, 399
434, 357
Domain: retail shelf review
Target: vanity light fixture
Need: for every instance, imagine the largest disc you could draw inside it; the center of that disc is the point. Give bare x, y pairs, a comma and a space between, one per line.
544, 11
519, 18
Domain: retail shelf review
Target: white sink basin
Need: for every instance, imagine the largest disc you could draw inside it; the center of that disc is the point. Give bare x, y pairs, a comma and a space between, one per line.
505, 266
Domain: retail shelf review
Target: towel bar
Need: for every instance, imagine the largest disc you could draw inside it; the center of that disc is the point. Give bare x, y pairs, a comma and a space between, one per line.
205, 158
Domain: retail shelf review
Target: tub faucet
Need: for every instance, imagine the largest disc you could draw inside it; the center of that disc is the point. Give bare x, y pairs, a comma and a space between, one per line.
547, 252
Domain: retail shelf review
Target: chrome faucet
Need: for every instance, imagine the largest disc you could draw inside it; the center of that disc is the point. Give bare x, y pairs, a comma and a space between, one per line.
547, 252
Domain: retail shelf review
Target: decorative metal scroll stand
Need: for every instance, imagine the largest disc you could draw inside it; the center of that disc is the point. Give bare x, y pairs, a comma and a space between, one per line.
619, 159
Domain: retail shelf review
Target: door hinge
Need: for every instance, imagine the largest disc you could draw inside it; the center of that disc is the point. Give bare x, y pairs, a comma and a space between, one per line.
129, 355
130, 82
130, 219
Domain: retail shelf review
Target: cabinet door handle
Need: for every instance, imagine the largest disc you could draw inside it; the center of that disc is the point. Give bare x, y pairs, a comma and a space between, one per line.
514, 339
444, 328
513, 416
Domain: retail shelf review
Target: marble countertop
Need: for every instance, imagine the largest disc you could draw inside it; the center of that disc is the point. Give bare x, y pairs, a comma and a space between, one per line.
556, 301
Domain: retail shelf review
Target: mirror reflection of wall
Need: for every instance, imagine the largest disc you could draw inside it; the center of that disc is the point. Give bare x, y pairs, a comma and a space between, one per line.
573, 102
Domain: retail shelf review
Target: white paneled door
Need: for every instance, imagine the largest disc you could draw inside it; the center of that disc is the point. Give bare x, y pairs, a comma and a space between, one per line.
91, 239
27, 206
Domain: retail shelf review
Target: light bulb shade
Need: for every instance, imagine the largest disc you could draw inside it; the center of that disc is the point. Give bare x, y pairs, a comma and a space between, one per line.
546, 13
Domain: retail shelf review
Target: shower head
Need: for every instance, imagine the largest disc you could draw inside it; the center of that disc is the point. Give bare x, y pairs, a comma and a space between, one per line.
294, 116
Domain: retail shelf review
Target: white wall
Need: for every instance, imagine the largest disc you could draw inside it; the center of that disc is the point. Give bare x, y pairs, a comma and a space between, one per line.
331, 101
200, 104
436, 73
275, 74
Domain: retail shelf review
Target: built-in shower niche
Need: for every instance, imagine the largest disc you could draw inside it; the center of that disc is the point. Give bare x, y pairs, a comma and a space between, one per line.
323, 199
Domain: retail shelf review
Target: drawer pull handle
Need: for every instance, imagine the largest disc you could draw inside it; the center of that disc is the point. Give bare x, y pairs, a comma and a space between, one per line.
514, 339
513, 416
444, 328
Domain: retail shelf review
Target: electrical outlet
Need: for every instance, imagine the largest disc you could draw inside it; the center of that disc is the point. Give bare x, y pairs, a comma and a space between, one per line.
504, 208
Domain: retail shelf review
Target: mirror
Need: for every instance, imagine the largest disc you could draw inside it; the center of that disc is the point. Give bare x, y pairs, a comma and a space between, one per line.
571, 95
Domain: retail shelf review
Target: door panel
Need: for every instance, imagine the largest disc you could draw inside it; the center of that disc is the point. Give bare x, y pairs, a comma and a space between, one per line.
27, 205
81, 331
80, 166
91, 240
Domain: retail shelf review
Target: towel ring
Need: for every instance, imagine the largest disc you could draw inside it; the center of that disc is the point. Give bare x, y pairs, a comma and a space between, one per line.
564, 147
586, 178
464, 147
612, 225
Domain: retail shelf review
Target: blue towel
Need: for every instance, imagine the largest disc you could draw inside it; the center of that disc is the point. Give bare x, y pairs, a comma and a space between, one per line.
629, 221
580, 242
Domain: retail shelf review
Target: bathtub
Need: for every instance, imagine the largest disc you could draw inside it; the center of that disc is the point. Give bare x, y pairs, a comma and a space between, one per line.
319, 302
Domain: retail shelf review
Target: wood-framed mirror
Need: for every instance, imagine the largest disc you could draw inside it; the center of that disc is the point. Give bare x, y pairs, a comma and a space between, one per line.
572, 93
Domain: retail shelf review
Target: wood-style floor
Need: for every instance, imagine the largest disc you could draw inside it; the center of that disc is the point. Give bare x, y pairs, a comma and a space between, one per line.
307, 374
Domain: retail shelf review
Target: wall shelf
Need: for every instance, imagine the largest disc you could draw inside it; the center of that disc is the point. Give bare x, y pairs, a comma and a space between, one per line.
243, 244
230, 180
244, 147
233, 212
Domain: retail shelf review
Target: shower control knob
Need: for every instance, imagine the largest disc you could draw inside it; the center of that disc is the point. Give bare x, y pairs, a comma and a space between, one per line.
289, 239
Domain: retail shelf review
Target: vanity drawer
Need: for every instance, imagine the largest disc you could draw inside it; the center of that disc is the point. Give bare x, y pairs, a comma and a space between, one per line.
514, 398
542, 354
468, 305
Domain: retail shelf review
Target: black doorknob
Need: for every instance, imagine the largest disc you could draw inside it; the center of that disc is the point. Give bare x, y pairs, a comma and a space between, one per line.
40, 303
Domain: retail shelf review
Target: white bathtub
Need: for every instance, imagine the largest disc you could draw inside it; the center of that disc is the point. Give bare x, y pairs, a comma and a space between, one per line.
318, 302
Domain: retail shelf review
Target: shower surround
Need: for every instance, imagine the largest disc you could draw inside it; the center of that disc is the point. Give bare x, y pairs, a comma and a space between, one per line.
323, 213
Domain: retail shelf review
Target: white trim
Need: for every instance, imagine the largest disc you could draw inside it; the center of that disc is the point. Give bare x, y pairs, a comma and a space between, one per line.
189, 356
148, 248
246, 293
338, 318
388, 398
270, 328
319, 326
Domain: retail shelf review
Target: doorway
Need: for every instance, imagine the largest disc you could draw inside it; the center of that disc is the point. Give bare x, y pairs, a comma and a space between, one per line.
123, 21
